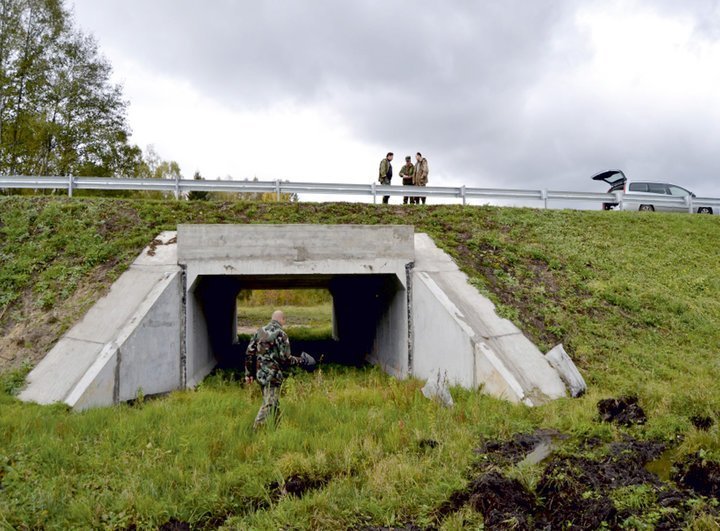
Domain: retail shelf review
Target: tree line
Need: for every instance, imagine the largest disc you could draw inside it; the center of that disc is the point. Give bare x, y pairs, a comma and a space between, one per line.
60, 113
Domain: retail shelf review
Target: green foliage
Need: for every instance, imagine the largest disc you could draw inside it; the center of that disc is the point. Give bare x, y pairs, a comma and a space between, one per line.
284, 297
193, 455
12, 381
59, 113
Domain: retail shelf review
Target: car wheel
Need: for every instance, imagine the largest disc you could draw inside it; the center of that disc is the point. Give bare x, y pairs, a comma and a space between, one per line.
705, 210
647, 208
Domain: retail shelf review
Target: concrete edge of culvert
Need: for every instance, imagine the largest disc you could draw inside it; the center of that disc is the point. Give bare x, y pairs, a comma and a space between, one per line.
489, 352
83, 369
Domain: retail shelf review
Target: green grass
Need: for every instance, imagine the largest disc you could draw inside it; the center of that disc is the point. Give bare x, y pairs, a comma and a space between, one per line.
193, 455
634, 297
316, 315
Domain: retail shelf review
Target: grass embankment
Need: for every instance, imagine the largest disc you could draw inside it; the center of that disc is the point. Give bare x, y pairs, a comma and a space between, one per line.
635, 298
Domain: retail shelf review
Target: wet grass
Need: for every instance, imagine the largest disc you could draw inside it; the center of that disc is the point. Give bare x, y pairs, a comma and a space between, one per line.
634, 297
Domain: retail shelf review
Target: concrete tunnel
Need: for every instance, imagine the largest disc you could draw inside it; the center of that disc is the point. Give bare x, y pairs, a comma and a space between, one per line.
365, 271
360, 305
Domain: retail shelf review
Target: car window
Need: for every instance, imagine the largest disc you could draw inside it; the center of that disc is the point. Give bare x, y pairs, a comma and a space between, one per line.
676, 190
638, 187
657, 188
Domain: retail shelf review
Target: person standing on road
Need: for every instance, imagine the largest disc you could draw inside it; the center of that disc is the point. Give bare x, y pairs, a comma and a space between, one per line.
421, 174
407, 173
267, 355
385, 173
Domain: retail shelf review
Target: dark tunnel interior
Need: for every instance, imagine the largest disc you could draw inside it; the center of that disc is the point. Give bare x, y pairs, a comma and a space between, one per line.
359, 302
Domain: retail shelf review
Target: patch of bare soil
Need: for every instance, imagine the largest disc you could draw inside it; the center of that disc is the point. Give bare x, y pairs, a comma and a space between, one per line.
490, 260
296, 485
175, 525
504, 453
702, 422
624, 411
28, 332
698, 475
576, 491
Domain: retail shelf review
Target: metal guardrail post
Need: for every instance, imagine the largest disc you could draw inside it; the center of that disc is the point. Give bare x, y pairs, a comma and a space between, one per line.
374, 192
277, 190
544, 195
689, 201
619, 199
71, 185
462, 193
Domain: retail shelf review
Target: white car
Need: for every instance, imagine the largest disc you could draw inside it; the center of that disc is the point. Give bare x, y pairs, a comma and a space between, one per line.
640, 195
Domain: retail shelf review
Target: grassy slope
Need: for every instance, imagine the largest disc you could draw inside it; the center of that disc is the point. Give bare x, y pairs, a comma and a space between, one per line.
635, 298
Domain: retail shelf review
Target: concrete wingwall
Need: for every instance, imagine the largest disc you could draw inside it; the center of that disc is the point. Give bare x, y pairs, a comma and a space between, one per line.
128, 343
456, 330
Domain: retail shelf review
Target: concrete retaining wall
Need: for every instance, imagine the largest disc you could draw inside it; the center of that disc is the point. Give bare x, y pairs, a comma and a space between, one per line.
127, 342
456, 329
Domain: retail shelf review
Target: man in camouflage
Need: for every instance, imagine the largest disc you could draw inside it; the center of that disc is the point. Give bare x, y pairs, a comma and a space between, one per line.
421, 174
267, 355
385, 173
407, 173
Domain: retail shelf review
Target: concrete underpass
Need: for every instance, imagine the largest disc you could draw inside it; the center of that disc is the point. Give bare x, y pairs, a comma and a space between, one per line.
360, 305
398, 302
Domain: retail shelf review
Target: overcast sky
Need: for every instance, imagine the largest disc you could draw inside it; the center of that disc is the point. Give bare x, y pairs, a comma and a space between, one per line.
511, 93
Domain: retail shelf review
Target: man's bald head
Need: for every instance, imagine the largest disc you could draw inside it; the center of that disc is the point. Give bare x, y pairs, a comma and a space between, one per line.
279, 316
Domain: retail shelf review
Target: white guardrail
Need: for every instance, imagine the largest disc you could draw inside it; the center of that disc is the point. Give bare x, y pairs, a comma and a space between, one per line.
179, 187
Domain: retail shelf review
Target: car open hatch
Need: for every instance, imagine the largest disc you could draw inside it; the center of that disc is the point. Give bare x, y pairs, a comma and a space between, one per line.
612, 177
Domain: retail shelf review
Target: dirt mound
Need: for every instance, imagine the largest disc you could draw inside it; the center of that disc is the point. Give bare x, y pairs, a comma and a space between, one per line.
702, 422
296, 485
175, 525
511, 452
504, 503
425, 444
576, 489
624, 411
699, 475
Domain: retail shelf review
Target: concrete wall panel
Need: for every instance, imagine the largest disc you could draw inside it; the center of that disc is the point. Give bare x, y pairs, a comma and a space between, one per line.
440, 341
150, 356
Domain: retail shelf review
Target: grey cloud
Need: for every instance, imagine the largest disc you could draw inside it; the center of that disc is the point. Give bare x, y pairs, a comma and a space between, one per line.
451, 79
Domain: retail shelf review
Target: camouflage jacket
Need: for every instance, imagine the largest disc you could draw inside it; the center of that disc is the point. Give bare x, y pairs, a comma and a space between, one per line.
268, 354
421, 172
385, 169
407, 173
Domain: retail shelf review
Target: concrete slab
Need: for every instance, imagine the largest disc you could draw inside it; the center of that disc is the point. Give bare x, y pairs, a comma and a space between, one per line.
455, 328
294, 243
61, 369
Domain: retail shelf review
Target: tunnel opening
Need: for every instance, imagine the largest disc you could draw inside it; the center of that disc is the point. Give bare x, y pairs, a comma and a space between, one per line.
367, 320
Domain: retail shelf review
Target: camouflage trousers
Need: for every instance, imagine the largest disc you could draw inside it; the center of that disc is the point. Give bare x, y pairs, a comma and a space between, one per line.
270, 405
416, 200
385, 181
